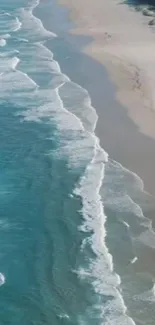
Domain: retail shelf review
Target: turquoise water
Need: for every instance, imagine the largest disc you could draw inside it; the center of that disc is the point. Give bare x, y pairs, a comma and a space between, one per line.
59, 260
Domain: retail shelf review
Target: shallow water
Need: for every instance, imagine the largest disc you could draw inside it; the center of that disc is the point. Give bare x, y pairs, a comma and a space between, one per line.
58, 258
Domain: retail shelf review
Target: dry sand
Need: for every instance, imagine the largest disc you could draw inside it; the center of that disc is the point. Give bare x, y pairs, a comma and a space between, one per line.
125, 44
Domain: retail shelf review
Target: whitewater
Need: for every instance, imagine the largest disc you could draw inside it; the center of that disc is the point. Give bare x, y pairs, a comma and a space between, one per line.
30, 76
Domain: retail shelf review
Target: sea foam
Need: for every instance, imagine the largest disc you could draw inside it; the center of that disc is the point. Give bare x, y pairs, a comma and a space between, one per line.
69, 119
100, 270
2, 279
2, 42
78, 143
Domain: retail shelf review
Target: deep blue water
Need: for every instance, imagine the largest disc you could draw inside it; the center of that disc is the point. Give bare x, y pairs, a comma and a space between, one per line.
54, 259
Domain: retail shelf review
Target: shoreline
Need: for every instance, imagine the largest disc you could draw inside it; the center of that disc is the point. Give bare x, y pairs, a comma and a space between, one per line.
113, 120
125, 54
119, 135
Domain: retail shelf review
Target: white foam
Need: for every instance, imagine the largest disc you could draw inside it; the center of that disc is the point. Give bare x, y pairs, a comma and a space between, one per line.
21, 86
8, 54
65, 316
15, 62
6, 36
104, 280
134, 260
119, 184
53, 107
2, 279
80, 146
23, 40
84, 146
85, 112
4, 13
32, 27
41, 63
9, 23
2, 42
8, 65
17, 25
115, 191
126, 224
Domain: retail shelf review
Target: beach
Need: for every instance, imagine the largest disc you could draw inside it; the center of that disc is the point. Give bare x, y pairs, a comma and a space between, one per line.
103, 52
76, 164
124, 43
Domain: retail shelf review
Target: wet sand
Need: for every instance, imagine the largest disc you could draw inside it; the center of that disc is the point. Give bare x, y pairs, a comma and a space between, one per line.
126, 130
124, 43
118, 132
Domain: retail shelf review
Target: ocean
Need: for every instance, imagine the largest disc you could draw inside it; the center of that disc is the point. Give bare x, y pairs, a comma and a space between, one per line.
74, 232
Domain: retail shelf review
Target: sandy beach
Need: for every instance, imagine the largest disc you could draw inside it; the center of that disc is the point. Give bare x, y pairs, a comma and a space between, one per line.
109, 50
124, 43
108, 56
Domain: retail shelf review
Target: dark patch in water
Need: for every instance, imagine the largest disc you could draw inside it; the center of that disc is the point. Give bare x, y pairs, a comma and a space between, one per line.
137, 3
